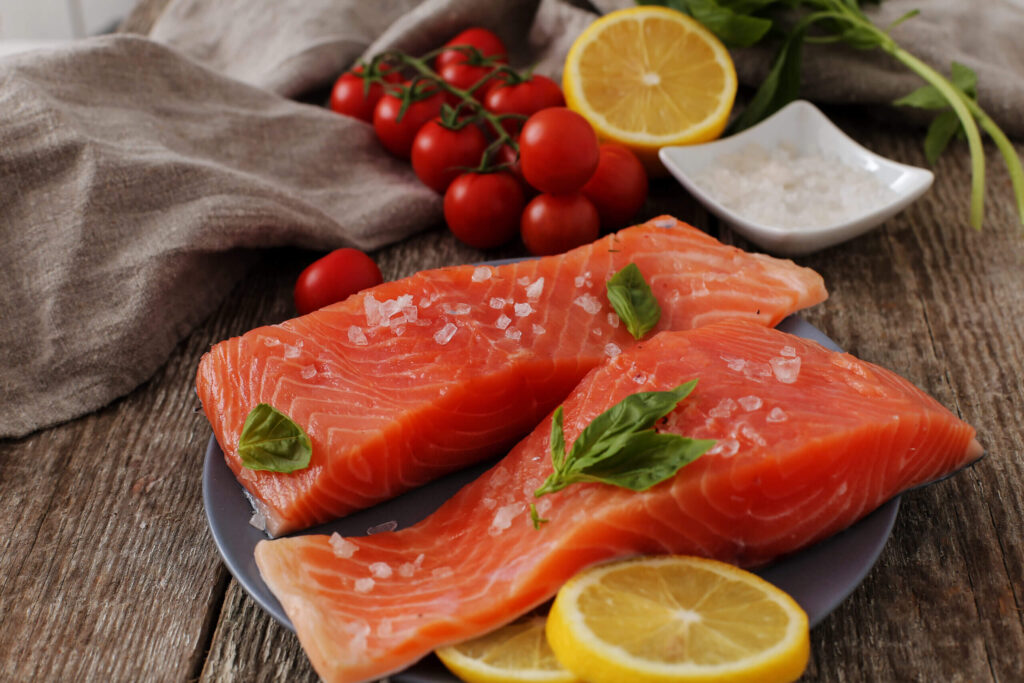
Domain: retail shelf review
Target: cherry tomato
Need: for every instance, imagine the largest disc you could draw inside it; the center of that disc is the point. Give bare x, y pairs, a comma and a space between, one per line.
439, 152
482, 209
333, 278
618, 187
558, 150
527, 98
552, 224
483, 40
348, 97
465, 76
397, 136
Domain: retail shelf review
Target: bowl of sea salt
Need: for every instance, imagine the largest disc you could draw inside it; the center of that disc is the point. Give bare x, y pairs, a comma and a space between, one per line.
795, 183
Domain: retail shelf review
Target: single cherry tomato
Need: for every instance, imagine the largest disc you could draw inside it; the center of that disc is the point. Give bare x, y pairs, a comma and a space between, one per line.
333, 278
553, 224
483, 209
483, 40
527, 98
558, 150
350, 97
618, 187
440, 154
397, 135
465, 76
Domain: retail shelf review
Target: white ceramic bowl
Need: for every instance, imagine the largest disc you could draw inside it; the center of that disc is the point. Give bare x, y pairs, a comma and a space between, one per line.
803, 127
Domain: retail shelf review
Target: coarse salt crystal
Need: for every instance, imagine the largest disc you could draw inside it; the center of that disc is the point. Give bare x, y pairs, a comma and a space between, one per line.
364, 585
512, 333
776, 415
786, 369
497, 302
503, 518
726, 448
544, 506
640, 378
538, 330
522, 310
611, 350
664, 223
458, 309
356, 335
750, 403
258, 520
523, 281
481, 274
596, 332
500, 476
407, 569
733, 363
371, 307
489, 503
751, 434
579, 280
381, 528
589, 303
502, 322
425, 302
534, 290
445, 334
308, 372
291, 351
725, 408
613, 319
270, 341
381, 570
342, 547
788, 352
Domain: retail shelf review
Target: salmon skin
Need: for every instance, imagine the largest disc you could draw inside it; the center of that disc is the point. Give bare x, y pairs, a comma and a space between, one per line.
419, 377
808, 441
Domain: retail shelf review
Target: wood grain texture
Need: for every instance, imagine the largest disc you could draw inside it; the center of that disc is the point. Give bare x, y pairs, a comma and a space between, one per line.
108, 572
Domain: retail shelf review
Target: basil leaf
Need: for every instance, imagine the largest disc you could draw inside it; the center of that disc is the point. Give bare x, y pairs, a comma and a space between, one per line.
940, 132
780, 87
271, 441
631, 297
735, 29
929, 97
648, 458
619, 446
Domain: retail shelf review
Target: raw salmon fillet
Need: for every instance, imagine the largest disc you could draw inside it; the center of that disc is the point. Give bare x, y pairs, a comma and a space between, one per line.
808, 442
422, 376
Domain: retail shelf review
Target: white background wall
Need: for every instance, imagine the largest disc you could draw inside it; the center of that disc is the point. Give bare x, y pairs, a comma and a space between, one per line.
48, 20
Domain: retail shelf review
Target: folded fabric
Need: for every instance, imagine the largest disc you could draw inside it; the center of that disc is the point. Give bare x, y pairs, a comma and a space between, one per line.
131, 179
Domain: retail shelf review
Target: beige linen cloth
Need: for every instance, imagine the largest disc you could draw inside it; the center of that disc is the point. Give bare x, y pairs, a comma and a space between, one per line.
137, 174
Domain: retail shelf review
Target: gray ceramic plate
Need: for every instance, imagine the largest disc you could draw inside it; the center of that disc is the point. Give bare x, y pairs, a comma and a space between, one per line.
819, 577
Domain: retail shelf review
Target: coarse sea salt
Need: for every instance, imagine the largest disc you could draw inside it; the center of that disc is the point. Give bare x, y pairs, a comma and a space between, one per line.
538, 329
533, 291
589, 303
786, 370
380, 570
342, 548
611, 350
502, 322
356, 335
785, 188
750, 403
481, 273
458, 309
364, 585
522, 310
381, 528
445, 334
497, 302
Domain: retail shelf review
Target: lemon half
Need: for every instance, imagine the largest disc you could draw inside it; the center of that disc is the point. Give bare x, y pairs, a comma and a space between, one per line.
677, 619
648, 77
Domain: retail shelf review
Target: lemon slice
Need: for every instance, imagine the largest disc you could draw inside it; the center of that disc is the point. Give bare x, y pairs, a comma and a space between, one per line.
514, 653
647, 77
677, 619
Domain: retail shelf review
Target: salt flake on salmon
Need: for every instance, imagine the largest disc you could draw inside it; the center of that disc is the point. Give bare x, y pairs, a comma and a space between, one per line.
854, 435
422, 376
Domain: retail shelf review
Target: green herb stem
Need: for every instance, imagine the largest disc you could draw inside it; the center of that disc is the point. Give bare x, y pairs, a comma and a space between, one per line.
959, 102
1006, 148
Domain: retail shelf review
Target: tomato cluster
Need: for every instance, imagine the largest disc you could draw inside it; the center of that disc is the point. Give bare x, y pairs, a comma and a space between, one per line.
499, 144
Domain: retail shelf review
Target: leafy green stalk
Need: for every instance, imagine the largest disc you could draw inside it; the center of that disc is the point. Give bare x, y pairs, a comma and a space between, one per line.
620, 446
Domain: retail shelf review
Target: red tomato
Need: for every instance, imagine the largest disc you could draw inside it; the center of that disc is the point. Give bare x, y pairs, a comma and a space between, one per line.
618, 187
333, 278
439, 152
465, 76
527, 98
482, 209
397, 136
552, 224
558, 150
480, 38
348, 96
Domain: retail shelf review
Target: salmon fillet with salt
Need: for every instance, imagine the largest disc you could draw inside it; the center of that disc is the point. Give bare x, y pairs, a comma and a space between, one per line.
808, 441
422, 376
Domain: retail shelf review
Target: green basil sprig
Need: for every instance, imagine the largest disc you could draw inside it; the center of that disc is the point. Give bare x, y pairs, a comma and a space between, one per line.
621, 448
272, 441
631, 297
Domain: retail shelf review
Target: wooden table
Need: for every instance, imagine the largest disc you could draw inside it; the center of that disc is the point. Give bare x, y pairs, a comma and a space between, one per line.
108, 570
